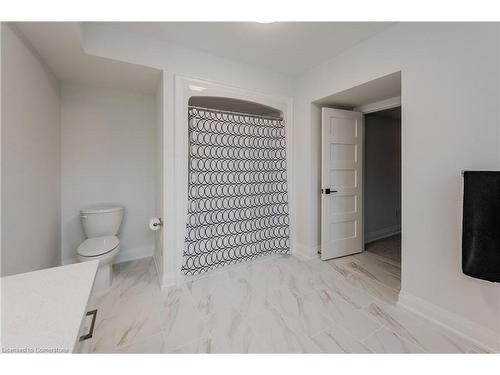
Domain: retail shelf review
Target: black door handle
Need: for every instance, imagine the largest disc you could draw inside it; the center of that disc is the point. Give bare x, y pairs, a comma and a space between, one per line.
328, 191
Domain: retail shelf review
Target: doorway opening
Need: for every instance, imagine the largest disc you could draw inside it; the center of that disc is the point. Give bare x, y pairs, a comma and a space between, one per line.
382, 184
359, 179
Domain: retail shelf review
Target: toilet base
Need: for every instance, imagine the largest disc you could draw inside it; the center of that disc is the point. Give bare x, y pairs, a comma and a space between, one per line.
103, 278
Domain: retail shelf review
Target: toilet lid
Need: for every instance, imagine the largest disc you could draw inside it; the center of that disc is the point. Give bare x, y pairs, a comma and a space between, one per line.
97, 246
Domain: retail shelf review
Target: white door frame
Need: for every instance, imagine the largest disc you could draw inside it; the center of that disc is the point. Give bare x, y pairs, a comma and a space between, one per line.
379, 106
372, 108
185, 88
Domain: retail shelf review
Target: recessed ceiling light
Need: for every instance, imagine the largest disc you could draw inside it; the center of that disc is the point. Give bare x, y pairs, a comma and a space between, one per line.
265, 21
197, 88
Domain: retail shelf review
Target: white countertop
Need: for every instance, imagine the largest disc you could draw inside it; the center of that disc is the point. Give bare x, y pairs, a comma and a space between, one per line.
42, 310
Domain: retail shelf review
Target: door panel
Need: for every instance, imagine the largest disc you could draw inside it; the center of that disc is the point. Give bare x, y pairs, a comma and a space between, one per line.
342, 204
342, 209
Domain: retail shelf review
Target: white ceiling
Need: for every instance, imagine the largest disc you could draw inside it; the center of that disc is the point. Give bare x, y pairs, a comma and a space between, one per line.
382, 88
59, 45
286, 47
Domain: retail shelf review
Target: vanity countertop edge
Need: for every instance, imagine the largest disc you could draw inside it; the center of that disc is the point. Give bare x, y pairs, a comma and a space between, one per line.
42, 311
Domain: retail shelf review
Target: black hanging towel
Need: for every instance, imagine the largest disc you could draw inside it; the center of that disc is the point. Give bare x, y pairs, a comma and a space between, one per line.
481, 225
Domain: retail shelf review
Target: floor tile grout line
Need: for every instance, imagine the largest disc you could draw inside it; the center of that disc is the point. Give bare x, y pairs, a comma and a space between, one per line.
337, 325
367, 293
381, 269
389, 328
418, 346
372, 280
364, 292
372, 334
141, 340
382, 259
171, 350
375, 279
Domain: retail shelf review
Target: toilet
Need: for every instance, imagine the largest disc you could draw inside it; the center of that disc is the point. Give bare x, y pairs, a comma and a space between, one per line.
100, 225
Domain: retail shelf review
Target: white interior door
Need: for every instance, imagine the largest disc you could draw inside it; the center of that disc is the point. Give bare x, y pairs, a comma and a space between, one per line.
341, 183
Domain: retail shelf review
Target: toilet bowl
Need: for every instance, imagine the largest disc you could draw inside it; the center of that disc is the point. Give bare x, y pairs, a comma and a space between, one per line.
101, 224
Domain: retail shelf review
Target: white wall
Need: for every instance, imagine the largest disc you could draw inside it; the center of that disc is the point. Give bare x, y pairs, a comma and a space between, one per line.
449, 123
177, 60
30, 159
108, 155
382, 176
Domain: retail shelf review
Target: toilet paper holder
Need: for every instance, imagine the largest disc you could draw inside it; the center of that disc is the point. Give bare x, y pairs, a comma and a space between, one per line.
159, 223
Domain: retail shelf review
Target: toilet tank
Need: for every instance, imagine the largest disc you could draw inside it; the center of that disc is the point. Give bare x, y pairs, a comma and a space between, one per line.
101, 220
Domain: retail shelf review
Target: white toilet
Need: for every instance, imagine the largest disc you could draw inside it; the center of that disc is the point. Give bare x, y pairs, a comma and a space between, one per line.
101, 224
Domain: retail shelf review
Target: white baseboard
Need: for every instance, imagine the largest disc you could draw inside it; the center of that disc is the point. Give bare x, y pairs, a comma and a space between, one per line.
306, 257
306, 252
132, 254
123, 256
382, 233
473, 332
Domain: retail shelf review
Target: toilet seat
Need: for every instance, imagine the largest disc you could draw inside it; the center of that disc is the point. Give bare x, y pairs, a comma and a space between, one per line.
97, 246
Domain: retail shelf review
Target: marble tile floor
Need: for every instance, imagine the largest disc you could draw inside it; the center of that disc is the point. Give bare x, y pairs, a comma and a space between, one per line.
376, 274
280, 305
